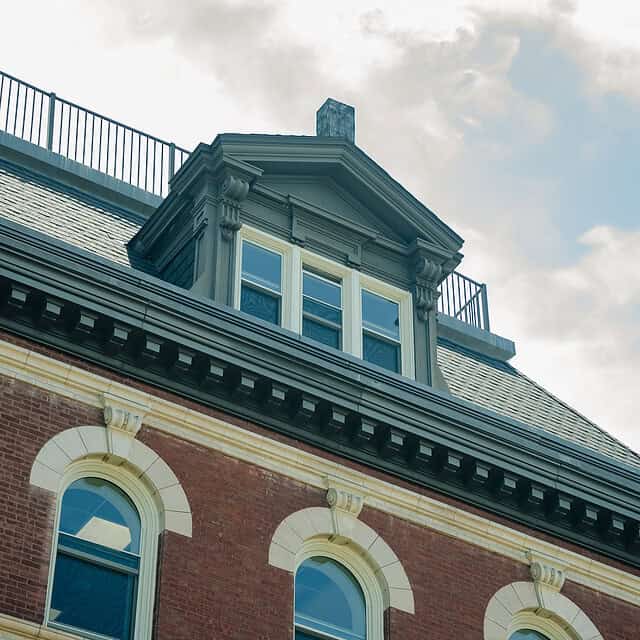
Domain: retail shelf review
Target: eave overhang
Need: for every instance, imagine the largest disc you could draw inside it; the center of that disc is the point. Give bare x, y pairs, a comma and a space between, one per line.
141, 327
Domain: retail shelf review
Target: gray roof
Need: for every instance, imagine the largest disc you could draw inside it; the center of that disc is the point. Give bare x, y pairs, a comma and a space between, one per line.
104, 229
498, 386
73, 217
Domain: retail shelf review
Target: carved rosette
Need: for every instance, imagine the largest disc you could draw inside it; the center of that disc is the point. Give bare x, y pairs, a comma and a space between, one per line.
427, 277
232, 192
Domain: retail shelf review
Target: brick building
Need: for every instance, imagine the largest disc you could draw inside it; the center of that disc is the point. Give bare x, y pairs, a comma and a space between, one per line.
245, 393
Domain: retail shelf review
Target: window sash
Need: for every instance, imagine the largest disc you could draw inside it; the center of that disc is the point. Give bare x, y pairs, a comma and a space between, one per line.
123, 561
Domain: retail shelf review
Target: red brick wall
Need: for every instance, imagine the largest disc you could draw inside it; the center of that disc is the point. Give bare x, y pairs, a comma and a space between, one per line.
219, 584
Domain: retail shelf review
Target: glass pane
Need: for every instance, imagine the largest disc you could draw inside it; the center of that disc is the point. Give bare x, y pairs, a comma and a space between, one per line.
321, 333
329, 600
93, 598
380, 315
381, 352
260, 304
323, 311
261, 266
97, 511
527, 634
321, 289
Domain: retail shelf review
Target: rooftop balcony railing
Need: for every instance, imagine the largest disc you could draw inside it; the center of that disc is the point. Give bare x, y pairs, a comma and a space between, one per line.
464, 299
87, 137
147, 162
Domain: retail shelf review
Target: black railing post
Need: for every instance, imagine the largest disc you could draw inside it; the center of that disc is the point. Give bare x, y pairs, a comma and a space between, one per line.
52, 114
485, 307
172, 160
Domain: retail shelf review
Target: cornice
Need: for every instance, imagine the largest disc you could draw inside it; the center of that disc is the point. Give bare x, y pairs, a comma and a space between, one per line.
352, 488
312, 152
144, 328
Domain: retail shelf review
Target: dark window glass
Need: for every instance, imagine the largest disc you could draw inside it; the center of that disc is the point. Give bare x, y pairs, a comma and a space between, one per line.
381, 331
93, 598
381, 352
527, 634
261, 288
329, 601
260, 304
322, 310
97, 560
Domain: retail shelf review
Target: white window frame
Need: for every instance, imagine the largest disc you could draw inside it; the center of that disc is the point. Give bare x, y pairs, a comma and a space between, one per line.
361, 571
294, 259
150, 527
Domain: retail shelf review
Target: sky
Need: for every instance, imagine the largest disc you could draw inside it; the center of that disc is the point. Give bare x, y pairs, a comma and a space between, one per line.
517, 122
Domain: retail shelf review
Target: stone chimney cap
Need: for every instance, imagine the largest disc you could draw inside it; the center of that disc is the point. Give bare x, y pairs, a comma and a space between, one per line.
337, 120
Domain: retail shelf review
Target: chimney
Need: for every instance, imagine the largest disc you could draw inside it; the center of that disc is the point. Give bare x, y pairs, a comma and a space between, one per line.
336, 119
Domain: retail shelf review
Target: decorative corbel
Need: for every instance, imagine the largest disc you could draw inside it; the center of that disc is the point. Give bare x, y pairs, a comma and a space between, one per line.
427, 276
123, 415
345, 501
232, 192
547, 573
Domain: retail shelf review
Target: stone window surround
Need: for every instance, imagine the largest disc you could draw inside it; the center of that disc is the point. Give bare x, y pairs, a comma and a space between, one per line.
539, 606
294, 258
115, 455
337, 533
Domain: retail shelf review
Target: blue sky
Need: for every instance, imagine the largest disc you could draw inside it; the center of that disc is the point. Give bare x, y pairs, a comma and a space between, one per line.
517, 122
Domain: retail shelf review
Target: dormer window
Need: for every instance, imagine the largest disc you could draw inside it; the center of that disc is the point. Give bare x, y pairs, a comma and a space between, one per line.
325, 301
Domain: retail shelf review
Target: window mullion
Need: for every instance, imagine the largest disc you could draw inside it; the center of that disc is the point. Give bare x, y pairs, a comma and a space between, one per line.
292, 291
352, 314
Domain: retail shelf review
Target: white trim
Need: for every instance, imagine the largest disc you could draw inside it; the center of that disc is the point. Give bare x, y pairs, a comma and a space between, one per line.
119, 451
341, 532
150, 528
295, 258
361, 571
82, 386
517, 606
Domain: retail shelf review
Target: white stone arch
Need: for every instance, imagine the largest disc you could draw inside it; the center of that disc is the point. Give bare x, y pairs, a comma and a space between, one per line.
116, 449
520, 605
342, 536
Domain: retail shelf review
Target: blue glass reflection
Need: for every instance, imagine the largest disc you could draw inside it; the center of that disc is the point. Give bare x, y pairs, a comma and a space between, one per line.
97, 511
381, 352
321, 310
260, 304
328, 600
527, 634
322, 289
380, 315
91, 597
261, 266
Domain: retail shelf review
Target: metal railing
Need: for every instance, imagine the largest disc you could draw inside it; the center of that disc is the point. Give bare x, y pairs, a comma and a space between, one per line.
87, 137
464, 299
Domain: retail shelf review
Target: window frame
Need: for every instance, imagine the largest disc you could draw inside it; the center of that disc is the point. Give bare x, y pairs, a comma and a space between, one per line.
150, 527
359, 569
549, 627
295, 259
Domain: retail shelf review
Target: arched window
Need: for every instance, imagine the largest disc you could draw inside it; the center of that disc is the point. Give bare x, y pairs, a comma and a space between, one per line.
527, 634
97, 561
329, 602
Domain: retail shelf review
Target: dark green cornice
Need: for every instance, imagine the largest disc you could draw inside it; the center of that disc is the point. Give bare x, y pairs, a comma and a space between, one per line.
142, 327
